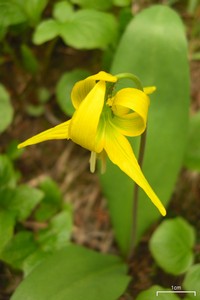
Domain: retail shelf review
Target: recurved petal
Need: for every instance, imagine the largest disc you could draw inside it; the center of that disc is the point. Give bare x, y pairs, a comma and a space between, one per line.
120, 153
133, 99
132, 125
85, 121
56, 133
83, 87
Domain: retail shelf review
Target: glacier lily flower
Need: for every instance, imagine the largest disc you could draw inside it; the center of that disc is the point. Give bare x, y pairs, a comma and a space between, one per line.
102, 121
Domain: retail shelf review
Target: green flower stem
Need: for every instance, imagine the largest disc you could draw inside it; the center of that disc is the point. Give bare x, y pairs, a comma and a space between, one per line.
135, 199
132, 77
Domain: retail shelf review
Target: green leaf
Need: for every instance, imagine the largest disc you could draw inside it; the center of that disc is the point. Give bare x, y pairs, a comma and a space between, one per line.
75, 273
24, 201
51, 201
191, 281
63, 11
121, 2
34, 260
45, 31
35, 110
7, 173
58, 234
7, 223
11, 13
12, 152
29, 61
172, 245
97, 4
147, 50
192, 155
64, 88
33, 9
6, 109
20, 247
89, 29
150, 294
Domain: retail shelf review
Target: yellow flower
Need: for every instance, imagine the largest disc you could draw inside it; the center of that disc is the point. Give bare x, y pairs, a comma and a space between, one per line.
100, 123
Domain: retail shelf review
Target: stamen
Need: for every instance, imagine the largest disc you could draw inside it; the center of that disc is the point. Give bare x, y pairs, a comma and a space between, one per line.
92, 161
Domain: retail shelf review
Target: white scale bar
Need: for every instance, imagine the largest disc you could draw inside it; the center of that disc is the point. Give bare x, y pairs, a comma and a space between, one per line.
176, 292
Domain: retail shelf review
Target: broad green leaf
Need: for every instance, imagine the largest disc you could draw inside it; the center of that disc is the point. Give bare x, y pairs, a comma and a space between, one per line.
89, 29
7, 223
63, 11
75, 273
192, 155
6, 110
97, 4
151, 294
172, 245
20, 247
64, 88
7, 173
45, 31
191, 281
58, 234
11, 13
155, 51
51, 201
33, 260
24, 201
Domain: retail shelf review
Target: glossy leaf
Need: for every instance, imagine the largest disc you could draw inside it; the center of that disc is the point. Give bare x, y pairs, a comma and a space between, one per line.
75, 273
192, 155
64, 88
6, 110
172, 245
151, 294
147, 49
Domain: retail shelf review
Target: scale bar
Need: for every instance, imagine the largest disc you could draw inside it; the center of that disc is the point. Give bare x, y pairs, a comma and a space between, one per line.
176, 292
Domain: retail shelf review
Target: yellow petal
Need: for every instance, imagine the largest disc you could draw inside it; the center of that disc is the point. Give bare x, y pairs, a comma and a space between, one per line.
120, 153
103, 76
58, 132
130, 108
85, 121
83, 87
149, 90
130, 126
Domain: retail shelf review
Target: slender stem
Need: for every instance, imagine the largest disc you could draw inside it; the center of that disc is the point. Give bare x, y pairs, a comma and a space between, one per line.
132, 77
135, 198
